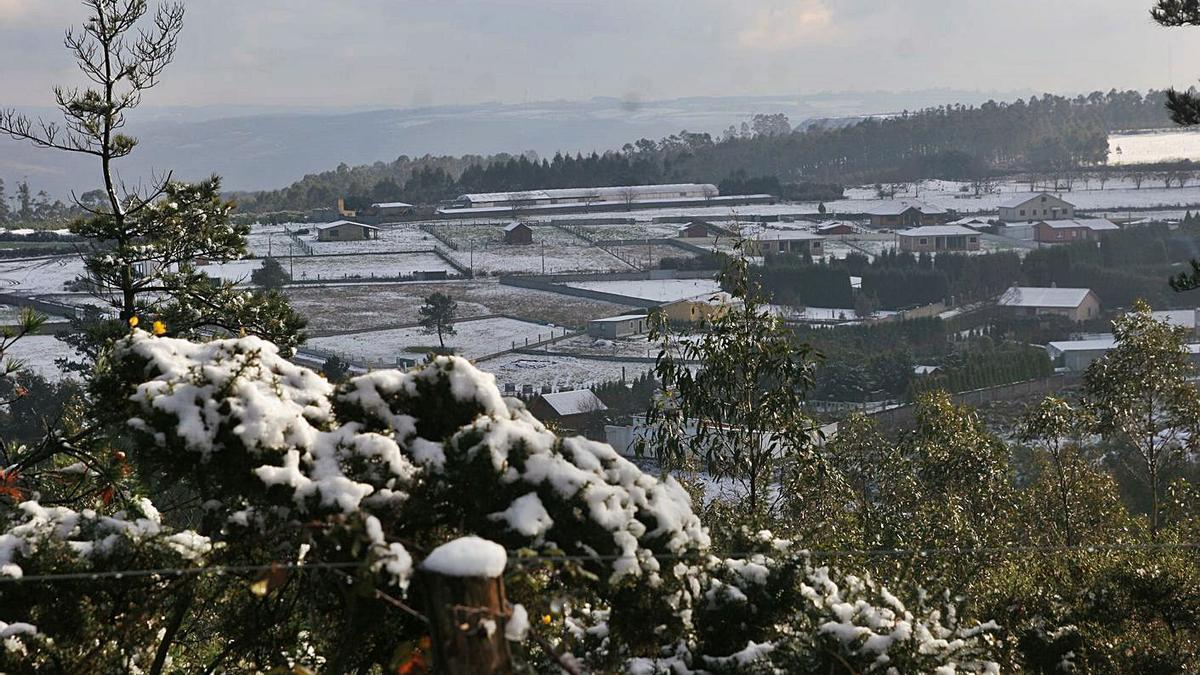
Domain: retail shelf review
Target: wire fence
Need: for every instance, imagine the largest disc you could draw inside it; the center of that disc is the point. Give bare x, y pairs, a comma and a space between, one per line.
517, 558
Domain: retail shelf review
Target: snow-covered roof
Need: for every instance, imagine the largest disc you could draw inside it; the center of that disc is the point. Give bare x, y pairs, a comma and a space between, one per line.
970, 220
1094, 224
831, 224
623, 317
1022, 198
391, 205
1064, 346
339, 223
896, 207
582, 193
1177, 317
937, 231
1032, 296
574, 402
786, 235
514, 225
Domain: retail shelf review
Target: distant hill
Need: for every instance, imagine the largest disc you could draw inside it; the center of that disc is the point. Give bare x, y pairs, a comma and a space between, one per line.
262, 148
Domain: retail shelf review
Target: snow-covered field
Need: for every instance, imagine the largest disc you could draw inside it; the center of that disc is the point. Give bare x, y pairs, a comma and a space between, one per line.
657, 290
472, 340
1159, 145
337, 267
529, 259
45, 275
37, 354
559, 372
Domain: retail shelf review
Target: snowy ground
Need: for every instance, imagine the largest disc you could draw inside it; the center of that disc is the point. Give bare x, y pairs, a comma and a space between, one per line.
657, 290
367, 306
46, 275
337, 267
559, 372
1159, 145
472, 340
37, 354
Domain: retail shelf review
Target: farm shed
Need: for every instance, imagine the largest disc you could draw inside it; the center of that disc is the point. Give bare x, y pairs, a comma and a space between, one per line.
346, 230
518, 233
615, 327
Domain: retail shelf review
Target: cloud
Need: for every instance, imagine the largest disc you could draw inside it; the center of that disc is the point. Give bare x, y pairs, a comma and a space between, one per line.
788, 24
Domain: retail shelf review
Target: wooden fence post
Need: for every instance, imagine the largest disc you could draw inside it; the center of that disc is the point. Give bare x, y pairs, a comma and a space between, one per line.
467, 616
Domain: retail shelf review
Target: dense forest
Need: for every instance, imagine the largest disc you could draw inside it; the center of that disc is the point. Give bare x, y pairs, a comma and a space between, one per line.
1047, 133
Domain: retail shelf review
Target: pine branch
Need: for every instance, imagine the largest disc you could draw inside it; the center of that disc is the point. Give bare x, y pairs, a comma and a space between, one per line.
1184, 107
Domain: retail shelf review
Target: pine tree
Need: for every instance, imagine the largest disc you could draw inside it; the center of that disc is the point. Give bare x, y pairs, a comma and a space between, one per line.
144, 246
437, 316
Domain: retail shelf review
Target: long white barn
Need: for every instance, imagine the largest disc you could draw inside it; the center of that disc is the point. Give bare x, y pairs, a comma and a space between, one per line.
626, 194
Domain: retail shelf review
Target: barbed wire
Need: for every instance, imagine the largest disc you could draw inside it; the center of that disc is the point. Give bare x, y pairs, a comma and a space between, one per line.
518, 557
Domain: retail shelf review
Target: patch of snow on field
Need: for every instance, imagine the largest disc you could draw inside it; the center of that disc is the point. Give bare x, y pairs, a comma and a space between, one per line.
655, 290
1159, 145
45, 275
37, 353
337, 267
472, 340
560, 372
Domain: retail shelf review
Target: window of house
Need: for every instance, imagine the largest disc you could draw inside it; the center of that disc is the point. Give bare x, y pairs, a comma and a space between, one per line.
924, 241
974, 239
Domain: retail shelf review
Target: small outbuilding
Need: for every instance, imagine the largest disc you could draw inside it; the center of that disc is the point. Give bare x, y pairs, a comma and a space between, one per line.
346, 230
580, 410
388, 210
697, 229
835, 228
615, 327
1076, 304
517, 232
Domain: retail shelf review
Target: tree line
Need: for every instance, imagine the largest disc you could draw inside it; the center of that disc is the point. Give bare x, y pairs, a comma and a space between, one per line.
1047, 133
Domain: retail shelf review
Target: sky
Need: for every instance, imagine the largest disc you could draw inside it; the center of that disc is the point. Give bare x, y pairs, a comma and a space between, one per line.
406, 53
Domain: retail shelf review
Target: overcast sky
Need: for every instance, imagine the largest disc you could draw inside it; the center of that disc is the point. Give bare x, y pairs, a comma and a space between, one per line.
431, 52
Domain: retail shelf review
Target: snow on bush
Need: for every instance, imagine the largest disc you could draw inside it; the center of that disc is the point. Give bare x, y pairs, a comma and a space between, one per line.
390, 464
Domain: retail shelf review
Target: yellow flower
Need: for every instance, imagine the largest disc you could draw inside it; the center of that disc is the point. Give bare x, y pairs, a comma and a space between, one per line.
133, 322
159, 328
546, 619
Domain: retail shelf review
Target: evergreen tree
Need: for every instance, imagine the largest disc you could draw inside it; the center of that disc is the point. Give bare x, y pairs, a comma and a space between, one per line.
437, 316
270, 276
1141, 393
145, 245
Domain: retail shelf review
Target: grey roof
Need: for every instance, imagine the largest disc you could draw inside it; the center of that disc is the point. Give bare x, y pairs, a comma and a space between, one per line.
574, 402
1032, 296
937, 231
1095, 224
339, 223
391, 205
896, 207
514, 225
